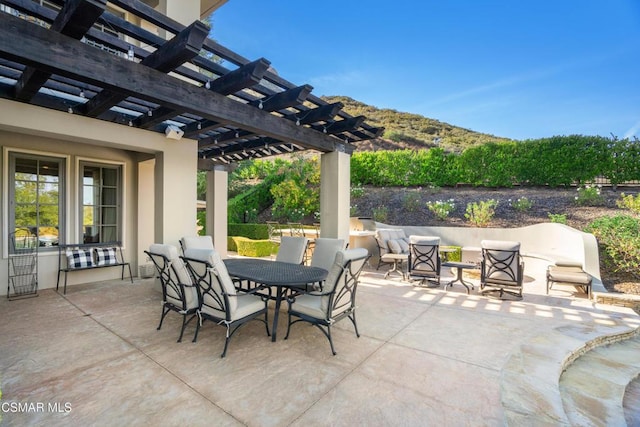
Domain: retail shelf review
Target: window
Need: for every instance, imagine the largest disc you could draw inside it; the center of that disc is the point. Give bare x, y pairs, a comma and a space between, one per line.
101, 202
36, 202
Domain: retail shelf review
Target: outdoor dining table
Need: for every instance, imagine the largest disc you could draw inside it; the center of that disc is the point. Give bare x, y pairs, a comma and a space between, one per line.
281, 275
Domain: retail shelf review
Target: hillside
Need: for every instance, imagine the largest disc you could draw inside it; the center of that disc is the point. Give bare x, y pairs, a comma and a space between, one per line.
413, 131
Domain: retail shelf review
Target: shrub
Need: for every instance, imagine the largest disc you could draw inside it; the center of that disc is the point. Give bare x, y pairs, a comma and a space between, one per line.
357, 191
251, 231
522, 204
441, 209
589, 196
254, 248
630, 202
619, 237
411, 201
381, 214
558, 218
481, 213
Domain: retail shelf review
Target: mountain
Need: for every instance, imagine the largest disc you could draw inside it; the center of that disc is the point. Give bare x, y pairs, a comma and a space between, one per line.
413, 131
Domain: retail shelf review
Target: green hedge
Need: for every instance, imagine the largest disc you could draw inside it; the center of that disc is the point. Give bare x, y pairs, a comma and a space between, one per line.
254, 248
251, 231
555, 161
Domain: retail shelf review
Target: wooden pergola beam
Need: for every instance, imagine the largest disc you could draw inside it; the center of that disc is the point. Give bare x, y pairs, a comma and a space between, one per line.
89, 65
154, 117
166, 23
232, 135
279, 101
285, 99
200, 126
74, 20
319, 114
241, 78
339, 126
170, 55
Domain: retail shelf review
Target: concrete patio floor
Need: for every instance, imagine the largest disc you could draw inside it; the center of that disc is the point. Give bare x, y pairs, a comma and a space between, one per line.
425, 357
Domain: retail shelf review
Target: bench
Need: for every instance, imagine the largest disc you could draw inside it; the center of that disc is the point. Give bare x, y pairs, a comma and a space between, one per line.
87, 256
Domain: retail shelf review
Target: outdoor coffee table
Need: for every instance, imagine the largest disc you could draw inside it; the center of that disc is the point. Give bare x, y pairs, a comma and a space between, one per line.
281, 275
460, 266
399, 264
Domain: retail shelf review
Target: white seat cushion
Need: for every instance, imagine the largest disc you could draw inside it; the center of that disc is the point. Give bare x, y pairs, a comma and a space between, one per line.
197, 242
245, 304
310, 305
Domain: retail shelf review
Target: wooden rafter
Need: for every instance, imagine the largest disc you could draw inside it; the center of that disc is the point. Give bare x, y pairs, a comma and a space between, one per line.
241, 78
89, 65
176, 51
285, 99
319, 114
199, 126
153, 16
74, 20
229, 136
249, 111
278, 101
339, 126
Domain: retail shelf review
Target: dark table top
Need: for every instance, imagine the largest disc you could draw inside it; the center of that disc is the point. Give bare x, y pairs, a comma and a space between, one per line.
274, 273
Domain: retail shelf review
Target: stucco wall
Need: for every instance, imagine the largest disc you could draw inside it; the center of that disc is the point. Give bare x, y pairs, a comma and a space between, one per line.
47, 132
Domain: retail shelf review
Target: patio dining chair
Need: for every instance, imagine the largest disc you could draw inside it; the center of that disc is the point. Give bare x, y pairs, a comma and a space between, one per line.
502, 268
196, 242
325, 252
424, 259
337, 299
179, 294
296, 229
219, 300
292, 249
274, 231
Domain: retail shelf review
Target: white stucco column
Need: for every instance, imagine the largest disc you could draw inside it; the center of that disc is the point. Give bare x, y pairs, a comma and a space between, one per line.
175, 181
146, 207
217, 194
183, 11
335, 194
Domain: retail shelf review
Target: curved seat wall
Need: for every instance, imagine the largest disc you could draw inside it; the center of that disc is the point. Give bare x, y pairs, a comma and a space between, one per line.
549, 242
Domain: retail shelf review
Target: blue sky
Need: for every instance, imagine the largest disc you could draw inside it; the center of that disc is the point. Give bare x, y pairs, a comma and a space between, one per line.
517, 69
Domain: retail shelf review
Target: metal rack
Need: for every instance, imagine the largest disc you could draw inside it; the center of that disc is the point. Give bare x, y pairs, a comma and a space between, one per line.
23, 265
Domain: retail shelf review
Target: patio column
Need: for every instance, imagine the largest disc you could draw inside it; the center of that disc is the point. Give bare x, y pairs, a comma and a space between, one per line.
175, 182
335, 194
183, 11
217, 194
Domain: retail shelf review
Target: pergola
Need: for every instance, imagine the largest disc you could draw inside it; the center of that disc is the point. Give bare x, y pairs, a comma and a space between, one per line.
81, 56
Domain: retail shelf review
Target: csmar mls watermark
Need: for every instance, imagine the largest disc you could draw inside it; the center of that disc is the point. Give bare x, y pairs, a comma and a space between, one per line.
11, 407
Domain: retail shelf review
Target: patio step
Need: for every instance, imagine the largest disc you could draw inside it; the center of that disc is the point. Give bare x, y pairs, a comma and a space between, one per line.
593, 387
574, 375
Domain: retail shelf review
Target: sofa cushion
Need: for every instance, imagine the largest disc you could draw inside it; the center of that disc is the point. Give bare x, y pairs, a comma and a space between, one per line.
398, 246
